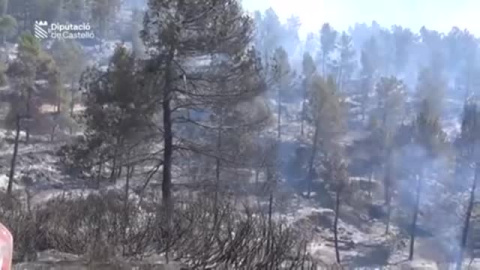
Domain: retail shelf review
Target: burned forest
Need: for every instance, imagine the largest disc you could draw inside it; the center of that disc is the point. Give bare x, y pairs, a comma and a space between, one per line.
208, 134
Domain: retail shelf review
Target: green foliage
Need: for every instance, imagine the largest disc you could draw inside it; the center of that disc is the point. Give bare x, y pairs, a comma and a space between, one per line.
370, 58
3, 75
281, 68
269, 33
328, 110
428, 131
391, 93
31, 65
49, 10
346, 64
470, 128
328, 38
70, 59
8, 26
103, 13
3, 7
308, 65
431, 88
28, 45
404, 39
137, 44
118, 108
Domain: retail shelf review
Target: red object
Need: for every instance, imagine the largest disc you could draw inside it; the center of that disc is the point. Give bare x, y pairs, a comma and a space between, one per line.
6, 248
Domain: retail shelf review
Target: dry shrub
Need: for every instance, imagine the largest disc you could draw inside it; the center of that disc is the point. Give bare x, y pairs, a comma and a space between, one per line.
97, 227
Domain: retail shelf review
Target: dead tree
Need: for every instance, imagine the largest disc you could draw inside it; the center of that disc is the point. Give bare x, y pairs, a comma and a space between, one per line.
14, 156
468, 215
416, 208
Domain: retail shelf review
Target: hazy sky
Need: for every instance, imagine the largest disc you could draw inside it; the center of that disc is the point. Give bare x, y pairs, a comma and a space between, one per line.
439, 15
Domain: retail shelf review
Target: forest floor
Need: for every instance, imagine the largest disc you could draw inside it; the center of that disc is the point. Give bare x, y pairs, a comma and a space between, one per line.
363, 243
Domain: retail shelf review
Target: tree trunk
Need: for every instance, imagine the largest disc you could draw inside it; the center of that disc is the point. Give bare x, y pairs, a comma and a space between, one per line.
119, 171
72, 105
217, 174
324, 60
114, 166
14, 156
29, 116
388, 191
279, 117
340, 79
167, 155
335, 225
52, 133
167, 200
269, 250
125, 206
312, 160
388, 201
415, 217
370, 182
466, 224
270, 229
305, 91
99, 174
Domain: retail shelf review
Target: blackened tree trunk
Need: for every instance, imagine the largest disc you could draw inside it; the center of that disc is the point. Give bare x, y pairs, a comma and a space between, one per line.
279, 117
52, 132
415, 217
217, 174
310, 174
14, 156
114, 166
388, 190
468, 215
370, 182
29, 116
303, 116
269, 252
168, 150
167, 156
335, 225
72, 104
324, 62
126, 217
388, 202
99, 173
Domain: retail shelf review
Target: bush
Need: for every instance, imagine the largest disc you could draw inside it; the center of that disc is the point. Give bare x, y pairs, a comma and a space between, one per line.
101, 226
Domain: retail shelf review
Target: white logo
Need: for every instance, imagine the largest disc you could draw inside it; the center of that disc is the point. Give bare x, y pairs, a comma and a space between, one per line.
41, 29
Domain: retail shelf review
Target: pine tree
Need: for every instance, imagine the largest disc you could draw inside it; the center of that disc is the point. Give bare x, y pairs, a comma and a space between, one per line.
178, 34
428, 134
335, 172
282, 76
346, 63
309, 70
404, 39
70, 59
328, 38
118, 111
24, 73
329, 121
468, 157
370, 61
391, 94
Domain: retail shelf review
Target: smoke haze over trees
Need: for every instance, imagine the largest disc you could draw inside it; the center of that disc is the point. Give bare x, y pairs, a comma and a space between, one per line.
195, 133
